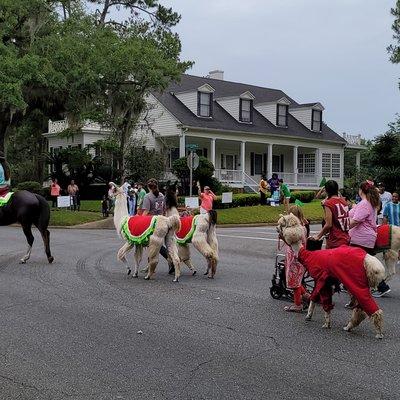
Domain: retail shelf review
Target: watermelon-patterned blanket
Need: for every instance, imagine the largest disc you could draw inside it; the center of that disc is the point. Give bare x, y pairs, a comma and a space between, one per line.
384, 237
5, 199
188, 225
138, 229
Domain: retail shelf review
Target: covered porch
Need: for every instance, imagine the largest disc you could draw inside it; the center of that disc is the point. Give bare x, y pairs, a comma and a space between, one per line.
240, 163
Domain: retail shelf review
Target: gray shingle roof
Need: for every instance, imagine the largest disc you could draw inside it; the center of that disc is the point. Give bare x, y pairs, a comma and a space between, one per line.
222, 120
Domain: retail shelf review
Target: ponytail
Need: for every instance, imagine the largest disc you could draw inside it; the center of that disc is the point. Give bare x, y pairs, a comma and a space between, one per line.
371, 193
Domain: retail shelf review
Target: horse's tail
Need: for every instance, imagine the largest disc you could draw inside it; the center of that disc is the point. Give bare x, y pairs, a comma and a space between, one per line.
44, 213
213, 217
174, 223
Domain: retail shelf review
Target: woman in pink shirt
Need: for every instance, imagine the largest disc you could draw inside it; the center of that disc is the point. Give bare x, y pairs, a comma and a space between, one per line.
363, 218
206, 198
54, 191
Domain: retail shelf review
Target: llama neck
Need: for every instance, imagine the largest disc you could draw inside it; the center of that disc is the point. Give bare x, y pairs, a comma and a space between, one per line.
120, 211
171, 211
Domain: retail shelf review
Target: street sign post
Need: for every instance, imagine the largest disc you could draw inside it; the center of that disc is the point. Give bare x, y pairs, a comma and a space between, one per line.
193, 162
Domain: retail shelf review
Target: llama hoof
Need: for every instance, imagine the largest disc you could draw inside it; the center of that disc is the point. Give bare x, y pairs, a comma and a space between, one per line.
194, 273
326, 326
176, 280
22, 261
347, 328
50, 259
379, 336
205, 273
129, 271
308, 317
147, 277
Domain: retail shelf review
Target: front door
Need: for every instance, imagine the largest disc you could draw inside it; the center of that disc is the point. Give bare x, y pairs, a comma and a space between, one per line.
230, 161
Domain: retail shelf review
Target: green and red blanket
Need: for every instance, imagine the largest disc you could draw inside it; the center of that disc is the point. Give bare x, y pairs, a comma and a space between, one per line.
188, 226
5, 199
138, 229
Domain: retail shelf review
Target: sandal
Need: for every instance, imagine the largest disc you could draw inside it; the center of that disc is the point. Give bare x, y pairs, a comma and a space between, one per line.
293, 308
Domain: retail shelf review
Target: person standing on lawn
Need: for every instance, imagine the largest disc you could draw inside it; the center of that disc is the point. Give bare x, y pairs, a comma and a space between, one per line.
273, 184
262, 188
206, 198
140, 196
73, 190
55, 190
285, 192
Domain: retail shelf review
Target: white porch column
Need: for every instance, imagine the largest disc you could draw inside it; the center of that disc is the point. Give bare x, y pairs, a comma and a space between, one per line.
269, 158
358, 160
212, 151
318, 165
295, 170
182, 145
243, 159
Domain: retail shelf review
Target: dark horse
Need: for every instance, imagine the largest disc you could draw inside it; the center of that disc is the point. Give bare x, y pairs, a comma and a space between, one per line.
28, 209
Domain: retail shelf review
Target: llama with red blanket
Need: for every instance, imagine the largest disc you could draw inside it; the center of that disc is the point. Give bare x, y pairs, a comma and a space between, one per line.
352, 266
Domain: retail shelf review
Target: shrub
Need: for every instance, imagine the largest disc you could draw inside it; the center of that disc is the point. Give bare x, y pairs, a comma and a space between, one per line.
305, 196
31, 186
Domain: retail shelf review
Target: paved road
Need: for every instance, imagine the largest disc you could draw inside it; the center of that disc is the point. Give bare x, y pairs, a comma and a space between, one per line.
69, 330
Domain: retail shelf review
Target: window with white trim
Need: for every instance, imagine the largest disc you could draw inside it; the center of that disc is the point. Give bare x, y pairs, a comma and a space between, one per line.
282, 115
306, 163
331, 165
204, 104
316, 120
245, 110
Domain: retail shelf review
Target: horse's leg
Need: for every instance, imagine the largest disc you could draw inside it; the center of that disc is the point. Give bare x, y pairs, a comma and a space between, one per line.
46, 241
310, 311
27, 228
121, 255
357, 317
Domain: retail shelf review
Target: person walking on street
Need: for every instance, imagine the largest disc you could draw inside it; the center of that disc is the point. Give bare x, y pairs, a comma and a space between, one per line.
131, 202
55, 190
154, 204
262, 188
207, 198
73, 191
386, 197
391, 212
286, 194
4, 175
336, 217
140, 197
126, 186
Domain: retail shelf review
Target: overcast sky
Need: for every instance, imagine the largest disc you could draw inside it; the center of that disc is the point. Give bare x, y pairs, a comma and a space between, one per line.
329, 51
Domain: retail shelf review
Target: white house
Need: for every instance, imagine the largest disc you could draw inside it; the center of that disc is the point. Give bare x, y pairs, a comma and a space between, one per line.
244, 130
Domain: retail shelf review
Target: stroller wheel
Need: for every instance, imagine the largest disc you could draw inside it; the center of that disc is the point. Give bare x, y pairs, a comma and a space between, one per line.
276, 292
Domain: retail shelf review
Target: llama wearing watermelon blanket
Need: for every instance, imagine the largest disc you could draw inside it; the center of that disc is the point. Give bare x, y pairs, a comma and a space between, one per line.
352, 266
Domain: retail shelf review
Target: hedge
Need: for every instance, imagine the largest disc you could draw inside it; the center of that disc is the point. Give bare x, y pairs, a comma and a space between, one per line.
31, 186
243, 200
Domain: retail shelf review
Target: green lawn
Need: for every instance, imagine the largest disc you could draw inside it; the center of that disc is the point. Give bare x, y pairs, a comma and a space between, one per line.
262, 214
69, 218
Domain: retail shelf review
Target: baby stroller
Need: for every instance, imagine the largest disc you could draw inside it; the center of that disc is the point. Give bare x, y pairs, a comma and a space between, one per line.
279, 288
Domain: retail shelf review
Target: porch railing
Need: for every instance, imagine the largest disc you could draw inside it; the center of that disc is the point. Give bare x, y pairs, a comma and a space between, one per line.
354, 140
308, 179
59, 126
229, 176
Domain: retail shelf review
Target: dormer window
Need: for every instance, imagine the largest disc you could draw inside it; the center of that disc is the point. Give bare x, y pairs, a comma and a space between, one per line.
204, 104
316, 120
282, 115
245, 110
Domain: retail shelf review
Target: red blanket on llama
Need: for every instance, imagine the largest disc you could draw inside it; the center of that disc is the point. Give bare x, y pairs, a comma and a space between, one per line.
345, 264
188, 226
384, 237
138, 229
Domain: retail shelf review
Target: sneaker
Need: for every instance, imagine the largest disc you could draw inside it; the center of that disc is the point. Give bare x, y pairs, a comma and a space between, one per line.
381, 294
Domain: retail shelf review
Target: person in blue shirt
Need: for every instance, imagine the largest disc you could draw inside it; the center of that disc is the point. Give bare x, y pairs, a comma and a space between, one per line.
391, 212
